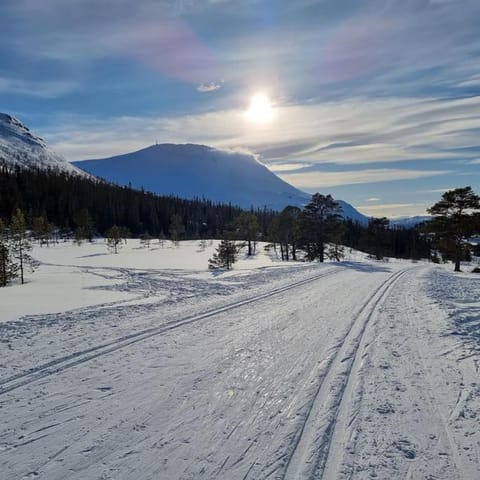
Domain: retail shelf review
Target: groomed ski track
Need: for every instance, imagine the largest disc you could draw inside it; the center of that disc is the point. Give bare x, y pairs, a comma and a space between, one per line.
314, 438
60, 364
344, 374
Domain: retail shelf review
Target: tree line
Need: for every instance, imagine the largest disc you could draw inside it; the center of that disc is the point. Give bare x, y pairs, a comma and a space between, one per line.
72, 203
319, 231
46, 205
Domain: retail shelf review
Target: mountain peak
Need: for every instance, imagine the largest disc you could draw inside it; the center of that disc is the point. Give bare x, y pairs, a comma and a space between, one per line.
199, 171
19, 146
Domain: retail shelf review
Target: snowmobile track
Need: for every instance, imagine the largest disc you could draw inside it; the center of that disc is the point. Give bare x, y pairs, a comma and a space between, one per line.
76, 358
313, 441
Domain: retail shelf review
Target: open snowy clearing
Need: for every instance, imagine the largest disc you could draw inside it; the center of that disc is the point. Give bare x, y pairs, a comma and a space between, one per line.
145, 365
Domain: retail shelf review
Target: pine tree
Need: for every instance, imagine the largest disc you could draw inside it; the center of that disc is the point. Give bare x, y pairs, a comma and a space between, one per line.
177, 229
20, 244
114, 238
377, 242
85, 226
455, 218
161, 238
247, 228
319, 222
225, 255
145, 240
288, 231
42, 230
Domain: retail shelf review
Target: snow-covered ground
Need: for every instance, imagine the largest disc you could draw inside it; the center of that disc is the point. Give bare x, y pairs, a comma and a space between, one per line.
147, 365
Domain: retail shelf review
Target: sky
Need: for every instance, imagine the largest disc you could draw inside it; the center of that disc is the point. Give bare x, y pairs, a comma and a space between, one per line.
374, 101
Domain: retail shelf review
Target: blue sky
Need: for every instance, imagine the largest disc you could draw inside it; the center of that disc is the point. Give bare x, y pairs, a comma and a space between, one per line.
374, 101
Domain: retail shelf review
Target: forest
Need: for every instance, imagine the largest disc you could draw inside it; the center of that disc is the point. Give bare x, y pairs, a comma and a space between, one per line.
48, 205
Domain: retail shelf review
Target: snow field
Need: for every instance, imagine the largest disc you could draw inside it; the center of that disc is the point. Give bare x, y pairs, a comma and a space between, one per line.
356, 369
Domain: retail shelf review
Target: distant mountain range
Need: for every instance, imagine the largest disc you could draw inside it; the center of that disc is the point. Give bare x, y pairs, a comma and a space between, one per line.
199, 171
409, 222
19, 146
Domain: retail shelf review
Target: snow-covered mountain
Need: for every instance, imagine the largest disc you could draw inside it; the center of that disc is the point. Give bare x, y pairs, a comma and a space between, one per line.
409, 222
19, 146
199, 171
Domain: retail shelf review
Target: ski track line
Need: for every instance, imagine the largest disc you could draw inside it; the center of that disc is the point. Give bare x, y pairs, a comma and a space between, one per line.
330, 393
76, 358
428, 389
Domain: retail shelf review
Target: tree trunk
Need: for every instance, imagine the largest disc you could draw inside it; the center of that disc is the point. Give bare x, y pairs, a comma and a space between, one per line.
321, 253
457, 265
21, 264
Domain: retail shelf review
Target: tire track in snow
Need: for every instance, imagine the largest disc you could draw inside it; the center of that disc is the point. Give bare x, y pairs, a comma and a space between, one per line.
314, 437
76, 358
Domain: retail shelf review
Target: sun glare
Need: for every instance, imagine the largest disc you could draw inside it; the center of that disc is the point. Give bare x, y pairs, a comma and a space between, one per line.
260, 108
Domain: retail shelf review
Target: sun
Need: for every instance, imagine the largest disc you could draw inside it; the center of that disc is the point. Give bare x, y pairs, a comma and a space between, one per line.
260, 109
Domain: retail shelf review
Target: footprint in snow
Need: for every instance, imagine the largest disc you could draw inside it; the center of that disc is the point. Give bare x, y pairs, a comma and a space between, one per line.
385, 409
406, 448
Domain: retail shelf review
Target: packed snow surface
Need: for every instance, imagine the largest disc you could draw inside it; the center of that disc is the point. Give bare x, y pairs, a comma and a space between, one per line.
146, 365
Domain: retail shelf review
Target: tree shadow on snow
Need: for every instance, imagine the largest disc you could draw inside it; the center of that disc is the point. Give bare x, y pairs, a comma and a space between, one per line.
365, 267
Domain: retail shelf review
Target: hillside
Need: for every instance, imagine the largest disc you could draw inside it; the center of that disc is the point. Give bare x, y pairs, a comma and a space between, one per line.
199, 171
19, 146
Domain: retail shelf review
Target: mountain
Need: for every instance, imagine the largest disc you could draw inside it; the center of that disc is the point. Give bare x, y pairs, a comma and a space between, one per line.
409, 222
199, 171
19, 146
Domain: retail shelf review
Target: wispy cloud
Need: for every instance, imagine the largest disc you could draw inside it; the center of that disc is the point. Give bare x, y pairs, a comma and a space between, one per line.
388, 87
373, 199
344, 132
288, 167
208, 87
37, 88
392, 209
439, 190
317, 179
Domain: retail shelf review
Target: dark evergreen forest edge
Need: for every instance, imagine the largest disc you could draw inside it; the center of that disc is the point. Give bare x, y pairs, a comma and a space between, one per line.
75, 205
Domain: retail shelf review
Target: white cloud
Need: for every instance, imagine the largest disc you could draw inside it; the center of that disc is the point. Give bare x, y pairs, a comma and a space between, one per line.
373, 199
208, 87
288, 167
352, 131
392, 210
